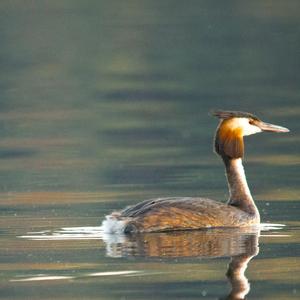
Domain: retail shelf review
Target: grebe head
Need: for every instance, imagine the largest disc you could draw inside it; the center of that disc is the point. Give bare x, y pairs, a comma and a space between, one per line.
234, 125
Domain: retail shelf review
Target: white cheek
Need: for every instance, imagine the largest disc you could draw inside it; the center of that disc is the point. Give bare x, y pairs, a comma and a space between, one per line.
244, 125
250, 129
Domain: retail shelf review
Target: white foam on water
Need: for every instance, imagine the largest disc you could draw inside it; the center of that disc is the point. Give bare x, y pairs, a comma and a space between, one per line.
269, 227
113, 273
112, 225
66, 233
43, 277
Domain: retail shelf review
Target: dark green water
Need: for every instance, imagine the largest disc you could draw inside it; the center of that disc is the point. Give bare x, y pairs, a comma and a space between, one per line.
106, 103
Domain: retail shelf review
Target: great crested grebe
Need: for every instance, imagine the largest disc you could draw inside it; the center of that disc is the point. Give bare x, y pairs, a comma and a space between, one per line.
177, 213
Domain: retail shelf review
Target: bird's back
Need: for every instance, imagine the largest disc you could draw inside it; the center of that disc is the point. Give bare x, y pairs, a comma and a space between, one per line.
164, 214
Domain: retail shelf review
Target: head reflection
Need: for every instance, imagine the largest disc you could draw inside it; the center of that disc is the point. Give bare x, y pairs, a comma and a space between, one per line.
241, 245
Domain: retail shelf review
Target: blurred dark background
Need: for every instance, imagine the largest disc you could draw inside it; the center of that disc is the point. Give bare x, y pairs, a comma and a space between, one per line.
115, 95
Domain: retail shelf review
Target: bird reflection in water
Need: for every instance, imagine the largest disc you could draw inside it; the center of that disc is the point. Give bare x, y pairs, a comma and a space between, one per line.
241, 245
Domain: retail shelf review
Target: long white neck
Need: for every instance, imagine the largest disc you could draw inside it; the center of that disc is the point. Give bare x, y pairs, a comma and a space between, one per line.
239, 193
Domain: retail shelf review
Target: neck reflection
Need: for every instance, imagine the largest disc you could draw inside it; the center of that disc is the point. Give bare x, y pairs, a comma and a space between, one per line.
241, 245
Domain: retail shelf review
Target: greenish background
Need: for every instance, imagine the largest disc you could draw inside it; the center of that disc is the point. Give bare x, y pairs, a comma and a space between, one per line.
106, 103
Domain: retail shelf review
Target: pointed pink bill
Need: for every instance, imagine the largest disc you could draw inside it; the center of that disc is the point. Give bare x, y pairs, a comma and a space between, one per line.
270, 127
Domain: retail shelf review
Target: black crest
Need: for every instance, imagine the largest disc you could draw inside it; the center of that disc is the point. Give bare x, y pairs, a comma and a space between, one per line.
227, 114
